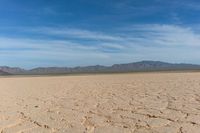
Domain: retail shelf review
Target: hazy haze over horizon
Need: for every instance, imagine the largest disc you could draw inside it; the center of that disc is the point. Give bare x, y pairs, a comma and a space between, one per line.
86, 32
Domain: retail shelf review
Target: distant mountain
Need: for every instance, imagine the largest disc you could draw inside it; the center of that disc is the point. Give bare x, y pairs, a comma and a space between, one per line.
12, 70
4, 73
153, 66
129, 67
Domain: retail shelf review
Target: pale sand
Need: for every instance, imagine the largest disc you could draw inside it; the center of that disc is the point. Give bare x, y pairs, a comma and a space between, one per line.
118, 103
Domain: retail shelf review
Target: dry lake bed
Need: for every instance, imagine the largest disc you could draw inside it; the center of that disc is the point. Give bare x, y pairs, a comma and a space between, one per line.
112, 103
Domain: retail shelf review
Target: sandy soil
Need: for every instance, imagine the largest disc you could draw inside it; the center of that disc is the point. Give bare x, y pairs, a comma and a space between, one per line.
118, 103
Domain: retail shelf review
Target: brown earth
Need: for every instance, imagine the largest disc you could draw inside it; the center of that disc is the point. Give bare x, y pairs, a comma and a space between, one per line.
116, 103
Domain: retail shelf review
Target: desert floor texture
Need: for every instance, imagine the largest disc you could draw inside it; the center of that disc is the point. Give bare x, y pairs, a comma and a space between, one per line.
115, 103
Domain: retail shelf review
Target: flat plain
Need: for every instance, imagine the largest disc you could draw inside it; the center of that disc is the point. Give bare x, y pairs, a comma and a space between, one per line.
112, 103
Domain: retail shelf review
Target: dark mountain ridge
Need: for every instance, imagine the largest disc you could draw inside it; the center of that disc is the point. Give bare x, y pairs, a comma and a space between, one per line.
129, 67
4, 73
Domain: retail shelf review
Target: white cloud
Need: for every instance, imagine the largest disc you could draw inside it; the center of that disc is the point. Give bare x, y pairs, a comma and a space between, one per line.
136, 34
163, 35
76, 33
138, 42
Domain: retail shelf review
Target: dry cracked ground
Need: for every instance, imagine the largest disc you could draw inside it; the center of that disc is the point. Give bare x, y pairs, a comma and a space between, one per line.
116, 103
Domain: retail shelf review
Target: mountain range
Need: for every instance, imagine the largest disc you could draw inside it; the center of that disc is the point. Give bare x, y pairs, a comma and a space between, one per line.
129, 67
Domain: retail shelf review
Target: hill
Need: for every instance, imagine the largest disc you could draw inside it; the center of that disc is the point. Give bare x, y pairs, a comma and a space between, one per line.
129, 67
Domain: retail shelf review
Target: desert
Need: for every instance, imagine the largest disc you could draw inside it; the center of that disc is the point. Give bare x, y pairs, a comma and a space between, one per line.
103, 103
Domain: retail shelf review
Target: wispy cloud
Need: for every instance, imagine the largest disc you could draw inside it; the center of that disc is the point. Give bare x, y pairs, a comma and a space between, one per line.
76, 33
155, 34
127, 44
163, 35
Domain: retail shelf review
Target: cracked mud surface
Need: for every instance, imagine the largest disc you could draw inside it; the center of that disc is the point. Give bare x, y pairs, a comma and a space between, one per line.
116, 103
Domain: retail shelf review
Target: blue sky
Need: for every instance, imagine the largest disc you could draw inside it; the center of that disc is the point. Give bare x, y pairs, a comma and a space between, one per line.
89, 32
